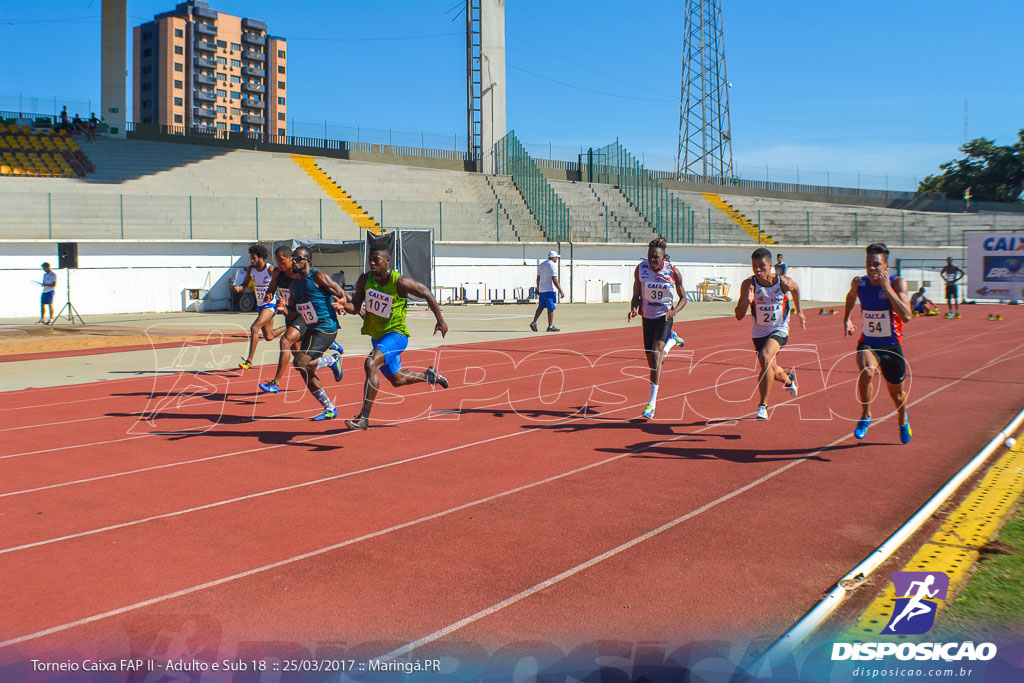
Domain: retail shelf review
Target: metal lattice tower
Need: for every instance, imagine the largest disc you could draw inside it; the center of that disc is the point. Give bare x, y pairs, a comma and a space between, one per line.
473, 87
705, 137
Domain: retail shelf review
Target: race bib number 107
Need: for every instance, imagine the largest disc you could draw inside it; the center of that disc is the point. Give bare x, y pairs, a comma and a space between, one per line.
378, 303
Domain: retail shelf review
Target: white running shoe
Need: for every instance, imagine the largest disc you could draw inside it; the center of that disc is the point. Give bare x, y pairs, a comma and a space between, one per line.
792, 383
762, 412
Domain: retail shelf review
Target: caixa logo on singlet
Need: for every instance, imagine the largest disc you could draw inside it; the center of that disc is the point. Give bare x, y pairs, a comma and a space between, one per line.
917, 601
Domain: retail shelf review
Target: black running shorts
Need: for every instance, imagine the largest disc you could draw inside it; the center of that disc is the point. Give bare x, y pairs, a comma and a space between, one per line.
655, 330
759, 342
315, 343
890, 361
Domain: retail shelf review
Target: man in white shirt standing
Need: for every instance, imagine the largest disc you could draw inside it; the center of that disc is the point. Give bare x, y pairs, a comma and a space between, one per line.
547, 284
49, 284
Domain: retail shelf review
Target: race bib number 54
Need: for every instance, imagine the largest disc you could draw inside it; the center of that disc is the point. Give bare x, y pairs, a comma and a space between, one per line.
378, 303
876, 324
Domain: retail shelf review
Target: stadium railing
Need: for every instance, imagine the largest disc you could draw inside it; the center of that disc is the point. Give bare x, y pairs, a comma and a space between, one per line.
547, 207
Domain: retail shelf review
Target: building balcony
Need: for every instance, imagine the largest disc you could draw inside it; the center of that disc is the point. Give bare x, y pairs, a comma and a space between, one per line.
253, 39
206, 46
204, 12
252, 87
206, 29
205, 63
253, 56
253, 71
204, 113
253, 104
205, 80
249, 118
254, 24
203, 96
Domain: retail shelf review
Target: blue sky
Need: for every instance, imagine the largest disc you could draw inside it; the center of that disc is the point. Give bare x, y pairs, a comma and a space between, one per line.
869, 86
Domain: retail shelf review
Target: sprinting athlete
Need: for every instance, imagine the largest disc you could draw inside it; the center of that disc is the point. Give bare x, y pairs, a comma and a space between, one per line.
385, 293
766, 296
295, 326
952, 274
259, 273
884, 307
311, 292
655, 280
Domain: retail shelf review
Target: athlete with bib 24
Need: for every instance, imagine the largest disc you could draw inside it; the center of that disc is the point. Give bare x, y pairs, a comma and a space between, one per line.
885, 307
310, 297
385, 293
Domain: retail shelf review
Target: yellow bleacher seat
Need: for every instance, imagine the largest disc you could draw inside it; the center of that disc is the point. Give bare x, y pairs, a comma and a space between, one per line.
6, 170
59, 144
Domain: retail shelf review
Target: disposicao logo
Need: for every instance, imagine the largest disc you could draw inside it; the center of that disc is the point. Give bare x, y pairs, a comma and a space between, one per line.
991, 290
917, 601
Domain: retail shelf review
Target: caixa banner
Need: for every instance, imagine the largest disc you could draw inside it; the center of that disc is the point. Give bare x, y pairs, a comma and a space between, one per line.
995, 265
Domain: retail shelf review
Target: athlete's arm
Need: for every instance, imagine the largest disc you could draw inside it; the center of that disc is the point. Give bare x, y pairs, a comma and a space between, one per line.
272, 288
246, 281
359, 295
680, 292
634, 303
790, 285
554, 281
331, 287
406, 285
851, 301
746, 298
961, 273
897, 293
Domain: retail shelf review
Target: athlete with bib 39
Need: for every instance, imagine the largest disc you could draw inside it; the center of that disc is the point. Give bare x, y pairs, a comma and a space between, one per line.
658, 295
885, 307
385, 292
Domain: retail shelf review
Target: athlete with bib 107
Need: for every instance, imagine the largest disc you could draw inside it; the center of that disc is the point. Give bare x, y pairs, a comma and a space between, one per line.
884, 308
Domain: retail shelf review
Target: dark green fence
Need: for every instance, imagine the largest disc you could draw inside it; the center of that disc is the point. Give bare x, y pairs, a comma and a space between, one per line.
547, 207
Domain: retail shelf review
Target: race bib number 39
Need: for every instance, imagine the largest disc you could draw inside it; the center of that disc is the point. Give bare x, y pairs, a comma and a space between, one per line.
658, 294
308, 313
378, 303
876, 324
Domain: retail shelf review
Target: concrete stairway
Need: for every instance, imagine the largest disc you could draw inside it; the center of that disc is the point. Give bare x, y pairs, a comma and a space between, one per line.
514, 210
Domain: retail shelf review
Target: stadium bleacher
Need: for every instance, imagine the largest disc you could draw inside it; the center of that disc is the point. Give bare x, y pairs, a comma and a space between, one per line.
25, 151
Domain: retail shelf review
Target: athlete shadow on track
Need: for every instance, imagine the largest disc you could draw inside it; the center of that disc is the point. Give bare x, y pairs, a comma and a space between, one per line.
664, 451
213, 418
268, 437
196, 373
532, 414
184, 395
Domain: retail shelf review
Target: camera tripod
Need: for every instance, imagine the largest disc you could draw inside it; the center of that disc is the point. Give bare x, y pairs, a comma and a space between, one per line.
69, 307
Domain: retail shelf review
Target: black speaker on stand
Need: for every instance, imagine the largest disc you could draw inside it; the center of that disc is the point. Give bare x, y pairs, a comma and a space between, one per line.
67, 258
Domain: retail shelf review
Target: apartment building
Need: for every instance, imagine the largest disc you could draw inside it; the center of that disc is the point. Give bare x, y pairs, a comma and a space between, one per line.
203, 69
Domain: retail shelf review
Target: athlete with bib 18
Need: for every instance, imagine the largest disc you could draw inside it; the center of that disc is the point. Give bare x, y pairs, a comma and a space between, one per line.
884, 308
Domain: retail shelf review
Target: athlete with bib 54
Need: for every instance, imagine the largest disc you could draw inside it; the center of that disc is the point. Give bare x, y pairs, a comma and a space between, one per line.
885, 307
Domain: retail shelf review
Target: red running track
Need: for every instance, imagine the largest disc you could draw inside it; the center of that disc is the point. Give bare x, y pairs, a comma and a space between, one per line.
525, 503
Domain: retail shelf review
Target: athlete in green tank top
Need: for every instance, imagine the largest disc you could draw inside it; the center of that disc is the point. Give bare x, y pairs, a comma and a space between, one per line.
381, 296
385, 307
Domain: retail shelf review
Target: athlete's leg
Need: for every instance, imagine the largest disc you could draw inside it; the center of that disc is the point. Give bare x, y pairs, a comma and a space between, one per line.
770, 370
899, 398
254, 330
868, 365
288, 342
374, 362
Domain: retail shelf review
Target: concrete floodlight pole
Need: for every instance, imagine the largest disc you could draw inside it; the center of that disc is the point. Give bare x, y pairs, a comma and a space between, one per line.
113, 67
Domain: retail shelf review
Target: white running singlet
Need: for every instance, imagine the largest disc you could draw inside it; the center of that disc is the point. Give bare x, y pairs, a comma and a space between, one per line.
261, 282
656, 289
771, 310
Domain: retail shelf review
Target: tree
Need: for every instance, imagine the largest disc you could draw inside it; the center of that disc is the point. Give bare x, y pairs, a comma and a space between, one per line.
994, 173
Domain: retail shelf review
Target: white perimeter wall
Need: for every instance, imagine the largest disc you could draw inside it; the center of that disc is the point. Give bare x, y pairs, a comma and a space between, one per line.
141, 277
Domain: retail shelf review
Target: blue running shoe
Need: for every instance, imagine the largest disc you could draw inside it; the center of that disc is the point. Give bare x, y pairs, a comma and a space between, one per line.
648, 413
862, 427
905, 432
337, 347
677, 339
269, 387
326, 415
336, 367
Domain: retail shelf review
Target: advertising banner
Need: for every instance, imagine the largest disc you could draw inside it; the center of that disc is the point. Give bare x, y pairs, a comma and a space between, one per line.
995, 265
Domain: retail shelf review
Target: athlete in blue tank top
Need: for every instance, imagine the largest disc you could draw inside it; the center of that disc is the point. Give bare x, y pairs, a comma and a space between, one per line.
884, 307
310, 298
